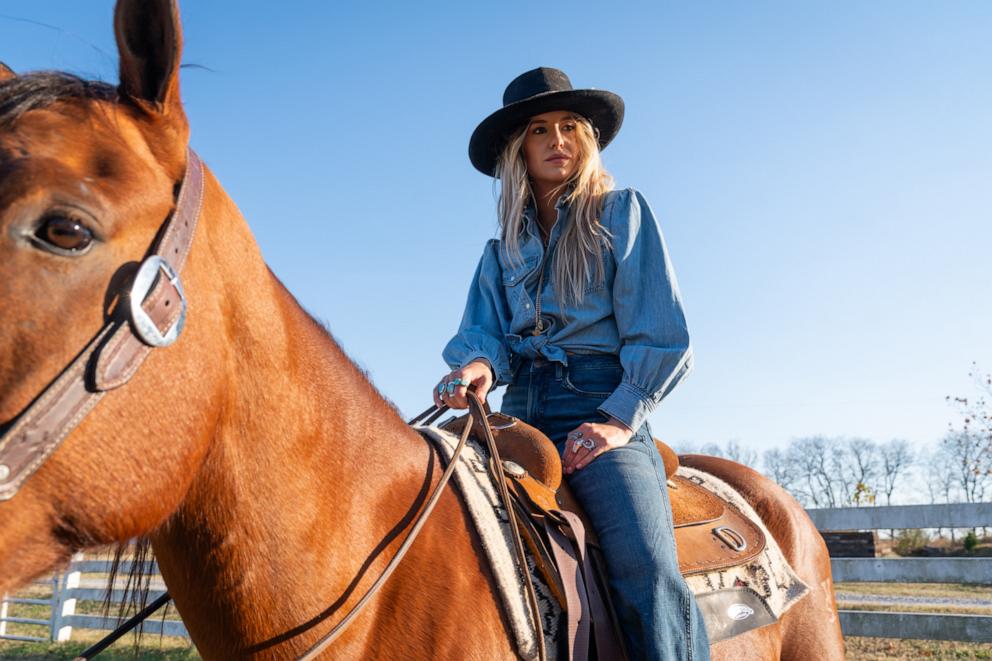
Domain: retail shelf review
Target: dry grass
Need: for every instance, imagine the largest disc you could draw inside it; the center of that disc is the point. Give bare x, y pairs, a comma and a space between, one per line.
949, 590
915, 608
164, 649
879, 649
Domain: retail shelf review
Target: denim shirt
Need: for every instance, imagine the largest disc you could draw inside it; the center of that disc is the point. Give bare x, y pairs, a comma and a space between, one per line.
634, 311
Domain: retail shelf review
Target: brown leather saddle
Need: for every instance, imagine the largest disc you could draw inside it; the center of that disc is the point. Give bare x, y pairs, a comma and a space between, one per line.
710, 533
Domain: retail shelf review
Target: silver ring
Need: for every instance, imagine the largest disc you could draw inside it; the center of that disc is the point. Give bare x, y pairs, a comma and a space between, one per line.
587, 443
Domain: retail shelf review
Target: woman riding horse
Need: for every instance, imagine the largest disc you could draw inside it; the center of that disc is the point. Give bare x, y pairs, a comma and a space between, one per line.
272, 479
577, 310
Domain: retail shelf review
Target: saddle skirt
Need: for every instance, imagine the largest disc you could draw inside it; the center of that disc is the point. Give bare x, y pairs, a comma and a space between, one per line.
730, 561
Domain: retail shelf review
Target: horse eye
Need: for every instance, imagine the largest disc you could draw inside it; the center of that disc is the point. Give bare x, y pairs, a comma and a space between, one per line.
65, 234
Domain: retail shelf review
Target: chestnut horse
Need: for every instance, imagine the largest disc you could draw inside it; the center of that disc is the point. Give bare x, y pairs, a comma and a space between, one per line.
272, 479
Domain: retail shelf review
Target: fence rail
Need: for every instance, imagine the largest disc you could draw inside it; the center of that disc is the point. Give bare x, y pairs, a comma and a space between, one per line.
6, 618
954, 515
68, 588
976, 571
917, 626
928, 626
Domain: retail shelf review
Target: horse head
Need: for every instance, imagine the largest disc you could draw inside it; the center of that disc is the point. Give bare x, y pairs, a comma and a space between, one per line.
89, 174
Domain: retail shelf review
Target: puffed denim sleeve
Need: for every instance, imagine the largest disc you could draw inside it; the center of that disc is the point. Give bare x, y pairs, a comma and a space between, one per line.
655, 352
486, 317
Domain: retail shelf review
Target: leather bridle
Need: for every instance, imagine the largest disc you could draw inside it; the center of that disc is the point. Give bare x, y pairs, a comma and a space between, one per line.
151, 315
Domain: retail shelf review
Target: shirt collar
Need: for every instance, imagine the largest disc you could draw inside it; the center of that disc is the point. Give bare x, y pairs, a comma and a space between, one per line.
530, 211
562, 201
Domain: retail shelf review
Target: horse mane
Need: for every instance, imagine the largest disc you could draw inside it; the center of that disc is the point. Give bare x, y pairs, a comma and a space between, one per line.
32, 91
137, 583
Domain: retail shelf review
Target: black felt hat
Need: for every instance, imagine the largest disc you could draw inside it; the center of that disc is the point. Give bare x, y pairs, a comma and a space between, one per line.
537, 91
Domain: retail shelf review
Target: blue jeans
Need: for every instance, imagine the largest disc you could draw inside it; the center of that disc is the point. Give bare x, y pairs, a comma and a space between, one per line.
624, 494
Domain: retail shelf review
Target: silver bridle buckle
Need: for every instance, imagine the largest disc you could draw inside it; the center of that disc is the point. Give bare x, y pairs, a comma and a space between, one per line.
143, 324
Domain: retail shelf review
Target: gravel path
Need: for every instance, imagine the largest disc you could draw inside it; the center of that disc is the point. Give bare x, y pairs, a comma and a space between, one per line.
906, 599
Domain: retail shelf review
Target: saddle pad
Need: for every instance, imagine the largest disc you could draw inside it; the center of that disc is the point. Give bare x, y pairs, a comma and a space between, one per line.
481, 499
758, 592
733, 600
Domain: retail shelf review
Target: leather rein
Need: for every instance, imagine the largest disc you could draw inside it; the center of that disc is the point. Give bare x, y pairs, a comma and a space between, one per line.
427, 417
150, 315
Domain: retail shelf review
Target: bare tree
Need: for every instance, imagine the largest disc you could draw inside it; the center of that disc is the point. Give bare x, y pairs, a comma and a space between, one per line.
731, 450
897, 458
941, 478
685, 447
713, 450
777, 467
965, 451
857, 463
830, 472
977, 418
814, 462
734, 451
833, 472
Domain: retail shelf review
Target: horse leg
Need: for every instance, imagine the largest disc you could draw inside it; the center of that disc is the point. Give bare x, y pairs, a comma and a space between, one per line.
811, 628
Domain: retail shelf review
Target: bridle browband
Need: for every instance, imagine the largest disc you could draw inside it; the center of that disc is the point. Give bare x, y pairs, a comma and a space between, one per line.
150, 315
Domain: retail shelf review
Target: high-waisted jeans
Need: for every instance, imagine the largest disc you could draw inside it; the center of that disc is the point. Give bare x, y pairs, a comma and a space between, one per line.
623, 492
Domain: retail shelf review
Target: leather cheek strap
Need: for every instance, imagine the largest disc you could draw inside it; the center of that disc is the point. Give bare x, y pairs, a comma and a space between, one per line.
121, 356
111, 358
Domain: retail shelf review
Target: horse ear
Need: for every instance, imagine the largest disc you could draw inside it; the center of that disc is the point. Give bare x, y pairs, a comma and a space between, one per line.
6, 73
149, 41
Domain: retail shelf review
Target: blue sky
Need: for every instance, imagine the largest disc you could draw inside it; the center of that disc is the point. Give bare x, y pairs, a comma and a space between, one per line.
821, 172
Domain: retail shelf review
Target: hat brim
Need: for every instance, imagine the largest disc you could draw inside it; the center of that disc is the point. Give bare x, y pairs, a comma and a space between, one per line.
604, 109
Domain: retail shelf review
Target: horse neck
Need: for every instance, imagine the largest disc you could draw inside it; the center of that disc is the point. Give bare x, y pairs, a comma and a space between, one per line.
304, 449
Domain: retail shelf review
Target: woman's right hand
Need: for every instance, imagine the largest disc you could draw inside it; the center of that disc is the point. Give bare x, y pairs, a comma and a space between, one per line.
477, 373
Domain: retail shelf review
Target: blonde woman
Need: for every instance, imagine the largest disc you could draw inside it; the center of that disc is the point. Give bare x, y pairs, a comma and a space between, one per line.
575, 308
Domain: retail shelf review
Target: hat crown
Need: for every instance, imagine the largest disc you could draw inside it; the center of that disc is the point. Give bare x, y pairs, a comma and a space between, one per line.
536, 81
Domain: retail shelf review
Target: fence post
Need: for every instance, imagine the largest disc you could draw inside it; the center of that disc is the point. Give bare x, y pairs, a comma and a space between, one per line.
3, 615
53, 614
65, 605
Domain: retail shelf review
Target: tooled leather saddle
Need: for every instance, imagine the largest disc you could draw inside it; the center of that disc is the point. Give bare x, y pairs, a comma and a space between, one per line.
710, 534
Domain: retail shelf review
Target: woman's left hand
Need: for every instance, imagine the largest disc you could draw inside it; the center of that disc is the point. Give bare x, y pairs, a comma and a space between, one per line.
602, 436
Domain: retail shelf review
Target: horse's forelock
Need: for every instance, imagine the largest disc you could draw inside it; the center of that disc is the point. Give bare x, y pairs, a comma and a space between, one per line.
32, 91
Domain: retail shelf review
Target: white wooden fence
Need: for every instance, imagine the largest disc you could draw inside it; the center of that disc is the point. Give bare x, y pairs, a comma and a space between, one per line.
972, 571
72, 586
6, 618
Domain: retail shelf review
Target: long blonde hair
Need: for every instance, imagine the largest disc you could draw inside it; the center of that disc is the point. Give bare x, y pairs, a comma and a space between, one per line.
578, 258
